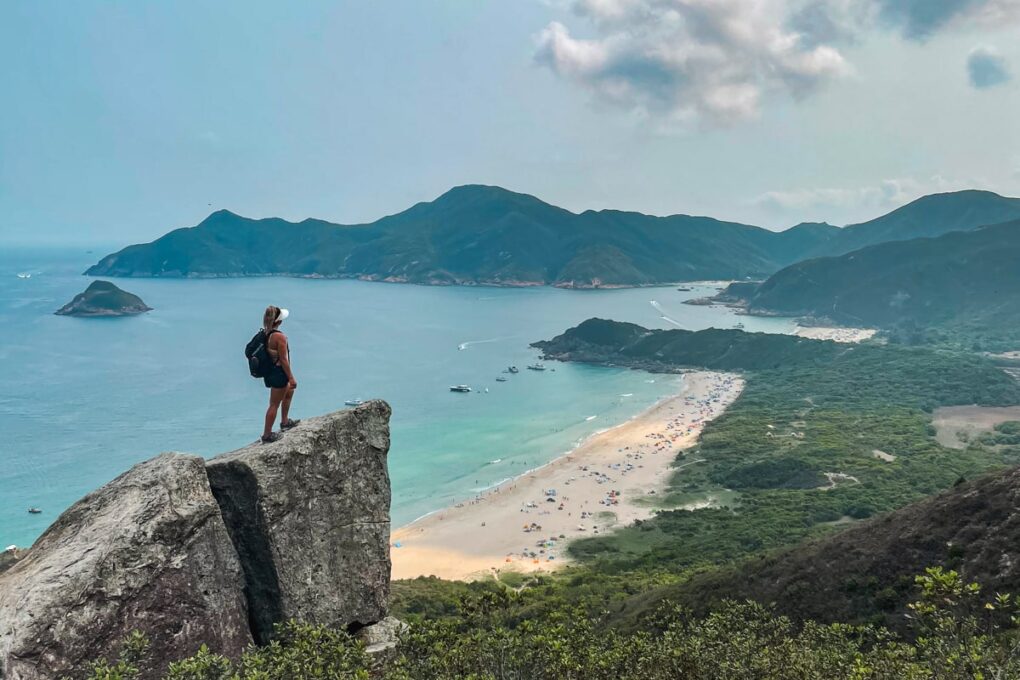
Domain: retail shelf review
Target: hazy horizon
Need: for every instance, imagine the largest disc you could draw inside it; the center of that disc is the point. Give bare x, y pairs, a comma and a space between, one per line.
125, 121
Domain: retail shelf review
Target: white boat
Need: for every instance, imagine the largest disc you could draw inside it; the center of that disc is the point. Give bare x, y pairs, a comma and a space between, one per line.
536, 367
459, 388
354, 402
500, 379
24, 275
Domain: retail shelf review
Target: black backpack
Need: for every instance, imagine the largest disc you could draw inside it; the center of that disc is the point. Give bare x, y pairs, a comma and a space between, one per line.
259, 361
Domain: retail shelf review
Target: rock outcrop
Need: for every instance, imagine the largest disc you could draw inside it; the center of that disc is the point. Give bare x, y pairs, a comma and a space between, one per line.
189, 551
9, 557
102, 298
148, 551
309, 516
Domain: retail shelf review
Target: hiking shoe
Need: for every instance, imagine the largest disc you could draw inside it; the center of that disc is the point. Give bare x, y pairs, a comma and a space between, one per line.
289, 424
273, 437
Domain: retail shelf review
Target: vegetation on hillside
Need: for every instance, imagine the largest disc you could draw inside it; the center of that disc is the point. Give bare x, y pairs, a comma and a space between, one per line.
798, 446
928, 216
102, 298
473, 234
958, 633
960, 289
488, 235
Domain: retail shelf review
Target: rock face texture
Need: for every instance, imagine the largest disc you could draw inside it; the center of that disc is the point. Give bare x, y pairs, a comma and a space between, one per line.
148, 551
102, 298
189, 551
309, 516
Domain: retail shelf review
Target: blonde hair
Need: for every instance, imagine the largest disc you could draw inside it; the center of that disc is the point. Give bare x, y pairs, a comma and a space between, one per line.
269, 318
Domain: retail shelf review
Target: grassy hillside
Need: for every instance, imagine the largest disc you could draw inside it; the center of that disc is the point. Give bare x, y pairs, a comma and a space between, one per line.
866, 573
964, 285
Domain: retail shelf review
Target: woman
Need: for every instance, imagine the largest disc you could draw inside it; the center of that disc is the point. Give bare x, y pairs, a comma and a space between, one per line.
280, 380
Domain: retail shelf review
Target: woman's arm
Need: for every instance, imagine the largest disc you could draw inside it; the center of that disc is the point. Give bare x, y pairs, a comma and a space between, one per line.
283, 351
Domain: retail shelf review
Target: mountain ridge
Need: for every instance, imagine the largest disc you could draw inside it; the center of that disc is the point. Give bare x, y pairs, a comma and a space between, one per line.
964, 282
487, 235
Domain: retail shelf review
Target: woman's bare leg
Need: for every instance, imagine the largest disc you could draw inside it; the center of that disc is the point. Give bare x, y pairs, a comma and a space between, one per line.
285, 416
276, 396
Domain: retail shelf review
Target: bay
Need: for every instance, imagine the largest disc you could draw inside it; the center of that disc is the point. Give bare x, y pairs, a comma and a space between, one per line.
81, 400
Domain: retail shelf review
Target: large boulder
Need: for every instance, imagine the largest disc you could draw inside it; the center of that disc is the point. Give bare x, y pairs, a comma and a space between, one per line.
189, 551
309, 517
149, 552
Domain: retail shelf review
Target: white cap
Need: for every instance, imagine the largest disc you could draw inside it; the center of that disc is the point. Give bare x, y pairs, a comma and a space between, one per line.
284, 313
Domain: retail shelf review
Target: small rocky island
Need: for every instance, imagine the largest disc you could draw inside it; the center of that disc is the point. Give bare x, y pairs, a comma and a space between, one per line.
102, 298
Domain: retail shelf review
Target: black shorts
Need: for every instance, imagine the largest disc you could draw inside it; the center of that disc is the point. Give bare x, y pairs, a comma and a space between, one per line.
276, 378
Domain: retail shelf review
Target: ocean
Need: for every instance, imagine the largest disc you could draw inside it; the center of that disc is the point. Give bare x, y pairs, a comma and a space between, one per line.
81, 400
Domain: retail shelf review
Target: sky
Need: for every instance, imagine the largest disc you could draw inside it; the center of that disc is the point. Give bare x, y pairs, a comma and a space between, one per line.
121, 120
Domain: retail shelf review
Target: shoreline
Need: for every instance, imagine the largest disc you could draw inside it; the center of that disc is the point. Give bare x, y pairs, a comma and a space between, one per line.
525, 523
371, 278
843, 334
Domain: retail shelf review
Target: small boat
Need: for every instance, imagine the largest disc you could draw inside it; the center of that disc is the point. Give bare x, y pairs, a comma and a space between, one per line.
354, 402
512, 369
24, 275
739, 325
34, 511
536, 367
500, 379
459, 388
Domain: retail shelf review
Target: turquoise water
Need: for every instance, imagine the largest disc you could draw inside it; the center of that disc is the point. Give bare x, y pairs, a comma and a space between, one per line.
83, 399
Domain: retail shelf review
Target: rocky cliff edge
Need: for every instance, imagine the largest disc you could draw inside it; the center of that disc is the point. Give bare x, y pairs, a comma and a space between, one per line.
190, 551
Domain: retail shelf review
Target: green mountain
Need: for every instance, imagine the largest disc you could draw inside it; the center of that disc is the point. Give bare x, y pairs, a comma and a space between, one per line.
932, 215
966, 283
487, 235
474, 234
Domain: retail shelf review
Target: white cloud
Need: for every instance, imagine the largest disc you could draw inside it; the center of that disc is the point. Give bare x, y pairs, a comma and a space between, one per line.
816, 203
715, 59
721, 59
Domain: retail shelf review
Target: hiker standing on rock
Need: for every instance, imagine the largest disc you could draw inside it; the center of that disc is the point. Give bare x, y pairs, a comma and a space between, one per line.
269, 358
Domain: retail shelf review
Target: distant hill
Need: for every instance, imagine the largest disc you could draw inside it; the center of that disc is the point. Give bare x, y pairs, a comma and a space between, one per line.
932, 215
474, 234
965, 283
620, 343
866, 572
478, 234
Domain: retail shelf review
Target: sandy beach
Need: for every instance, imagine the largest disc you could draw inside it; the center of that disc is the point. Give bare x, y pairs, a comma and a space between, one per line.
526, 523
835, 333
